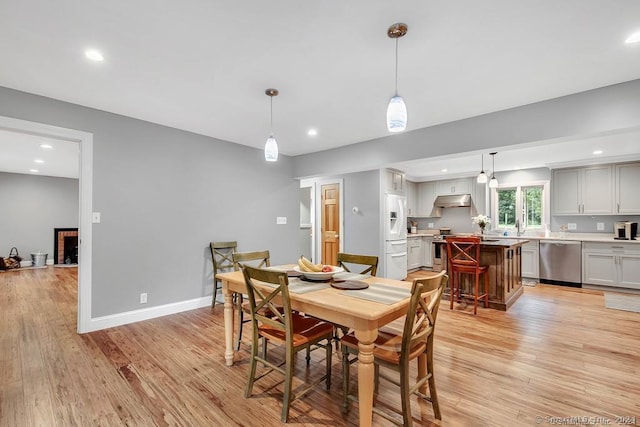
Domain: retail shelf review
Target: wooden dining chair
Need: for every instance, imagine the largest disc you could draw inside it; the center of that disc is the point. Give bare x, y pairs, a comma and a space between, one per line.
395, 349
286, 328
464, 258
222, 257
371, 261
257, 259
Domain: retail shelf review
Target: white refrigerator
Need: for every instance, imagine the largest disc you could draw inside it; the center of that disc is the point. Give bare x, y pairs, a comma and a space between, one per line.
395, 227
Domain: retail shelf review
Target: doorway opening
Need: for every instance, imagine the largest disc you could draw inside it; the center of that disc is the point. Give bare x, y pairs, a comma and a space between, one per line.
85, 141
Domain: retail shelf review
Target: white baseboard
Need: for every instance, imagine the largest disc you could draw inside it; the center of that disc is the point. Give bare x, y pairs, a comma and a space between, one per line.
104, 322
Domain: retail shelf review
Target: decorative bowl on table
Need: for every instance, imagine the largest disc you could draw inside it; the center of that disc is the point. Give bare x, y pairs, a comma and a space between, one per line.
320, 275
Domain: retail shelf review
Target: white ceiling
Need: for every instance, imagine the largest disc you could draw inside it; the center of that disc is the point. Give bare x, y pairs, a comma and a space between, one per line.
203, 66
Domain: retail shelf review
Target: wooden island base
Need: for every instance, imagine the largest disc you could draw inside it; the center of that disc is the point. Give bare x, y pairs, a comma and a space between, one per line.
504, 258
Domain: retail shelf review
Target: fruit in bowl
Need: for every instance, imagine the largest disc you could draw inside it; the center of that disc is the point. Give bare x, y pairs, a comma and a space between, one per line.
316, 271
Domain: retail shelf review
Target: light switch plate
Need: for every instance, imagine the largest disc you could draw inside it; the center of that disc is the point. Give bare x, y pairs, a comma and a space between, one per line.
281, 220
571, 226
600, 226
430, 225
95, 217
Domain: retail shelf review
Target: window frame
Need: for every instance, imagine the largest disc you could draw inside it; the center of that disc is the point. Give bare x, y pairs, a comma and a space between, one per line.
546, 202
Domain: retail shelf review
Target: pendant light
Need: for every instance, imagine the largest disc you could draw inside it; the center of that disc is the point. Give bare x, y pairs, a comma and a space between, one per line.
271, 146
494, 182
397, 110
482, 177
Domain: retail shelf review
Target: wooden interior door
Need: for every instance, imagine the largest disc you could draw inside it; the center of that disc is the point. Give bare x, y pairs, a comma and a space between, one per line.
330, 223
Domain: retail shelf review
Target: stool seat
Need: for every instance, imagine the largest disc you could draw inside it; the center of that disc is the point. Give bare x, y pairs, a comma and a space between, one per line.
464, 258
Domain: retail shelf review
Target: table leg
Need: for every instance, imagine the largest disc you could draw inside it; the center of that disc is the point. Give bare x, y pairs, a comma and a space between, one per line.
365, 375
228, 326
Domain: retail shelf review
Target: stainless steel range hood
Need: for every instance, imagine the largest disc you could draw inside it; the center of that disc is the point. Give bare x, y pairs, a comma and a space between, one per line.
453, 201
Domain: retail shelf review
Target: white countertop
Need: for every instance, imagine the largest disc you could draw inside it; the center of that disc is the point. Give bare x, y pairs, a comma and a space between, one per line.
583, 237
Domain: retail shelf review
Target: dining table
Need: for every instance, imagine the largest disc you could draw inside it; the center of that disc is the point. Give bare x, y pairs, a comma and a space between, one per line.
363, 311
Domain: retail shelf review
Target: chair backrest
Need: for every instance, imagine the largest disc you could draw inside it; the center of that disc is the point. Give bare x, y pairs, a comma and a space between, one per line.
420, 321
463, 251
266, 299
257, 259
222, 256
369, 260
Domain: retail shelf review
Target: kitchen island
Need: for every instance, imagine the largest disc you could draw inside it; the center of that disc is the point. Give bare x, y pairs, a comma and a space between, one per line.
504, 259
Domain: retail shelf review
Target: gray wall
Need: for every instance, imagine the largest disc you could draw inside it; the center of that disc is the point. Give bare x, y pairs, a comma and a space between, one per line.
163, 194
362, 230
32, 206
600, 110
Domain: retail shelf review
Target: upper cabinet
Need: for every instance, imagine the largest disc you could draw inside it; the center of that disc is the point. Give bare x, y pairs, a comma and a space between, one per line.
412, 198
583, 191
627, 183
395, 181
426, 196
454, 186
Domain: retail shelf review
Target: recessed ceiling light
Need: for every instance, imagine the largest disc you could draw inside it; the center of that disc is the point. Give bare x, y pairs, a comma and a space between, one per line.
444, 170
312, 132
46, 146
597, 152
33, 170
38, 161
517, 168
94, 55
633, 38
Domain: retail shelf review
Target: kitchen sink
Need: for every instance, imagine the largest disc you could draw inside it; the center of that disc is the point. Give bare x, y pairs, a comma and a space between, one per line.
490, 240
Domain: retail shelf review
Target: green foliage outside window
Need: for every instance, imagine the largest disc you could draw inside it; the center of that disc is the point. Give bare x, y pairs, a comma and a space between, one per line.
530, 200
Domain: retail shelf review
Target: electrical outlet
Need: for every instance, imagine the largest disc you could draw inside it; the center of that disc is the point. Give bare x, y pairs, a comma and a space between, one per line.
572, 226
143, 298
281, 220
95, 217
600, 226
430, 225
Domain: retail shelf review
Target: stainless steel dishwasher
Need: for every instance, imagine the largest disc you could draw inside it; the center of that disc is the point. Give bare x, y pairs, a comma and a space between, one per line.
561, 262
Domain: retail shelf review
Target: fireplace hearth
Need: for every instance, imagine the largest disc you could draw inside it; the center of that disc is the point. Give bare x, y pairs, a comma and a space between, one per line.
65, 247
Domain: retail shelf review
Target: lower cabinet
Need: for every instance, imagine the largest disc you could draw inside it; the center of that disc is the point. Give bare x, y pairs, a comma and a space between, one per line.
531, 259
606, 264
427, 251
414, 252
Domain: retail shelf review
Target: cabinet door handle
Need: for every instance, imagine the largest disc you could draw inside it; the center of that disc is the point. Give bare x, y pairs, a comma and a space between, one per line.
618, 208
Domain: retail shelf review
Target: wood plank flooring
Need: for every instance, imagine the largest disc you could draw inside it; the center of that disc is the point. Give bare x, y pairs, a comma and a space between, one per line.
557, 352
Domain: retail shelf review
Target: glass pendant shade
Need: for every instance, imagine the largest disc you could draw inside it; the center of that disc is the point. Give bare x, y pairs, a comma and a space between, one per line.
271, 150
396, 114
494, 182
482, 177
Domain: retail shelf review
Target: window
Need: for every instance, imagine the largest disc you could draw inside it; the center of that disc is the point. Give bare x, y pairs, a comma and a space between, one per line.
526, 204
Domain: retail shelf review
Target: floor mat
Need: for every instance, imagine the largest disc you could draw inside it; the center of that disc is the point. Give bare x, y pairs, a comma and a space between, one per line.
627, 302
529, 282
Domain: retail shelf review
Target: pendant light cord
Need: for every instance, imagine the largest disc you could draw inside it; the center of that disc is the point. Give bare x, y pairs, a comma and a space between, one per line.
396, 66
271, 123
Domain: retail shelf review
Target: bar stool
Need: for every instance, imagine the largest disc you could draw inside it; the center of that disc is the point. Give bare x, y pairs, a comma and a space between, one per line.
464, 258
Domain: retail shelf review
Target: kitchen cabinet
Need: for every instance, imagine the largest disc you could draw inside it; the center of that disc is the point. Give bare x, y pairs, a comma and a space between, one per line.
412, 198
426, 196
395, 181
414, 255
427, 251
627, 178
531, 259
607, 264
583, 191
453, 186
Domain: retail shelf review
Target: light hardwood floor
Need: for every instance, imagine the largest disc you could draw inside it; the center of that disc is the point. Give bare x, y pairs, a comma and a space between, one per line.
557, 352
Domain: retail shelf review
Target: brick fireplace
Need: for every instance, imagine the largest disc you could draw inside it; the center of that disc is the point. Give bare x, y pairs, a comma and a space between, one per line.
65, 245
